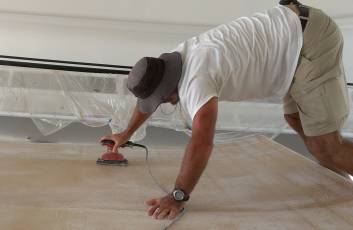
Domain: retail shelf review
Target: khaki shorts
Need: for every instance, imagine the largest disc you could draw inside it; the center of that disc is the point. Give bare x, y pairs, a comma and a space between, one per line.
319, 89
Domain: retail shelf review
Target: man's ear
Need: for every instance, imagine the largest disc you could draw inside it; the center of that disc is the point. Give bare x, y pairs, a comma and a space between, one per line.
173, 97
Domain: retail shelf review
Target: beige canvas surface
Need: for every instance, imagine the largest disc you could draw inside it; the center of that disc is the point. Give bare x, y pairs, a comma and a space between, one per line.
254, 184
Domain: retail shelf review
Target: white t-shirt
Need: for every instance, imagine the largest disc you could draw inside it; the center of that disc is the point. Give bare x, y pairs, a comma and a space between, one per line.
247, 59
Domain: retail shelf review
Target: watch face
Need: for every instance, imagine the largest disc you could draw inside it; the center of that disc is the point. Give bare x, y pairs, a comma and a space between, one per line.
178, 195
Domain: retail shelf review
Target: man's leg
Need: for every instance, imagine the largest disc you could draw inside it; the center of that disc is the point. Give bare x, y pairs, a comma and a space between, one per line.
331, 150
317, 103
293, 121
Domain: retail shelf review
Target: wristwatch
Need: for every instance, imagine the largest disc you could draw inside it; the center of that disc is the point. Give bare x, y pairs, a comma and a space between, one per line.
180, 195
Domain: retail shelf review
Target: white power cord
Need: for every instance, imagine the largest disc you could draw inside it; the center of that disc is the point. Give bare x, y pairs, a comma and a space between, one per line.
131, 144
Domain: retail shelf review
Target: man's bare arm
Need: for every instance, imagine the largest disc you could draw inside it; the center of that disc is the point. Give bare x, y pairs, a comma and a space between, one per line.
136, 120
199, 148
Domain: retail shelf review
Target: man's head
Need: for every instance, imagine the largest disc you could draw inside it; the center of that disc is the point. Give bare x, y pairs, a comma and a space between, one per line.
155, 80
289, 2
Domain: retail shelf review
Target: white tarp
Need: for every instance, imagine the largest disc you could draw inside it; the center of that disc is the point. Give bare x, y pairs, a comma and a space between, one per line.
54, 99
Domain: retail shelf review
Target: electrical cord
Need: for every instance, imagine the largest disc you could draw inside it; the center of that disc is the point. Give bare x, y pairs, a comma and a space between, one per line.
131, 145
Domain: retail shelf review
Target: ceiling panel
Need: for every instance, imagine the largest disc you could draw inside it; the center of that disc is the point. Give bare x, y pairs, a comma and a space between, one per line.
200, 12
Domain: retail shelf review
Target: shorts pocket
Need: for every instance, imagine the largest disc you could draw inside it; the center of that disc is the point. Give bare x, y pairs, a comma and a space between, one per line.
312, 107
336, 95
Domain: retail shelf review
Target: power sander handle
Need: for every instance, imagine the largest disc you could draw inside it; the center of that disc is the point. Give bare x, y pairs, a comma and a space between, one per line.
110, 144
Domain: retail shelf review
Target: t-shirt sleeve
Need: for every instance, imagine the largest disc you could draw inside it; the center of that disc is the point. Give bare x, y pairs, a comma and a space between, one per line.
202, 78
200, 91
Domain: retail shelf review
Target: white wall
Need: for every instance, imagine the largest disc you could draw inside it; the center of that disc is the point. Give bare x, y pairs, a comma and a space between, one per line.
104, 41
101, 41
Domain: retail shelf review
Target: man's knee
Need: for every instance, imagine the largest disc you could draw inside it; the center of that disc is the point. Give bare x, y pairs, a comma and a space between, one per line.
293, 119
323, 147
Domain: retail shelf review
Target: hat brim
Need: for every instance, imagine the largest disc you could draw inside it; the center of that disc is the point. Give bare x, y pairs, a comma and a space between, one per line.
171, 78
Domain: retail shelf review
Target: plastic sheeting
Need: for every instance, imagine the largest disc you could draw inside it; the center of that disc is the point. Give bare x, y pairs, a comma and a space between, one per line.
54, 99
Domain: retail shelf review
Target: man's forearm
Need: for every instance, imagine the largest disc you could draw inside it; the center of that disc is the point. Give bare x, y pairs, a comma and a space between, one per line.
194, 162
136, 121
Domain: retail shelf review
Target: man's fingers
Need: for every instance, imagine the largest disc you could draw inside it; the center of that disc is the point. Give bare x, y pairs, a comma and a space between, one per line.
115, 148
163, 214
151, 210
172, 214
152, 202
105, 138
156, 213
163, 208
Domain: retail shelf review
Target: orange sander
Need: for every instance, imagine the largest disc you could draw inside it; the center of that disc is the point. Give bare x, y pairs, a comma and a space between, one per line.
113, 158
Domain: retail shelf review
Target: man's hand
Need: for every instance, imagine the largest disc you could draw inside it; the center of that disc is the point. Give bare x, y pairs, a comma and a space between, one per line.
119, 139
165, 207
136, 121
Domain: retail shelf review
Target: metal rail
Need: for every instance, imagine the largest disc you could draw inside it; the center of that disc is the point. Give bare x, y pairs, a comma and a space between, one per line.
63, 65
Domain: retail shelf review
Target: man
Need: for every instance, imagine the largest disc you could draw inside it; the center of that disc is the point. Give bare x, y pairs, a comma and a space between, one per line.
276, 54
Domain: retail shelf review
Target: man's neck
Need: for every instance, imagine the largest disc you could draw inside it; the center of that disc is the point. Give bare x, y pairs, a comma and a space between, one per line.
294, 8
